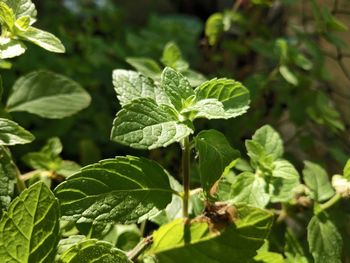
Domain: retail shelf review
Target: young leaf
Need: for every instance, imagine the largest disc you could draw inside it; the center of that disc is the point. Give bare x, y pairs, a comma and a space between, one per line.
10, 48
346, 171
316, 178
7, 16
93, 250
250, 189
11, 133
43, 39
288, 75
270, 140
146, 66
197, 241
66, 243
172, 57
215, 157
214, 27
284, 179
130, 85
143, 124
324, 240
121, 190
219, 99
177, 87
22, 8
29, 230
8, 172
48, 95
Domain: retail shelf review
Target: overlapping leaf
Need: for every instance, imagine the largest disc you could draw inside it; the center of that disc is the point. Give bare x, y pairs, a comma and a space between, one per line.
93, 250
219, 99
11, 133
215, 157
198, 241
316, 178
120, 190
324, 240
8, 172
143, 124
29, 230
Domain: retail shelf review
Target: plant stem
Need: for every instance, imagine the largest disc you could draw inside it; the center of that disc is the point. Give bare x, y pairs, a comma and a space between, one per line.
330, 203
139, 248
20, 183
186, 175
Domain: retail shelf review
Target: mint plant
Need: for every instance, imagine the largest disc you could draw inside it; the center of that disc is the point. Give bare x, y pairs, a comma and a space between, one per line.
248, 207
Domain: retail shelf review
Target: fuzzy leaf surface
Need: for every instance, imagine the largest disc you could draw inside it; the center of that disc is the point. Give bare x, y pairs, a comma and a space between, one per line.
143, 124
120, 190
219, 99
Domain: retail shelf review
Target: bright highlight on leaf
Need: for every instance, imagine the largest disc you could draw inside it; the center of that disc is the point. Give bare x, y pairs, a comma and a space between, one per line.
48, 95
11, 133
120, 190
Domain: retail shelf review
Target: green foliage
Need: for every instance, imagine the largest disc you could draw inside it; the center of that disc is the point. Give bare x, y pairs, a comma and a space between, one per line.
218, 205
11, 133
31, 224
48, 95
123, 190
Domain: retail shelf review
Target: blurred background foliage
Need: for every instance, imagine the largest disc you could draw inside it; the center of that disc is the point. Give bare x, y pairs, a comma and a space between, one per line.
292, 55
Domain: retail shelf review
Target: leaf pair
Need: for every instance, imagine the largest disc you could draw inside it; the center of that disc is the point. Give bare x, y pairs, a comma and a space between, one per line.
157, 115
16, 19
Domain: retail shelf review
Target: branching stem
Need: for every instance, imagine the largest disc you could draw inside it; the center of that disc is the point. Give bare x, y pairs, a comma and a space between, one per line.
139, 248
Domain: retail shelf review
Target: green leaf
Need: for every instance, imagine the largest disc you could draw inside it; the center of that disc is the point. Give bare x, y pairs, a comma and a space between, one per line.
177, 87
66, 243
43, 39
11, 133
198, 241
250, 189
214, 27
29, 231
8, 171
146, 66
93, 250
284, 179
346, 171
219, 99
216, 156
288, 75
22, 8
265, 256
293, 249
270, 141
143, 124
48, 95
316, 178
7, 17
195, 78
22, 23
324, 240
10, 48
120, 190
5, 64
131, 85
172, 57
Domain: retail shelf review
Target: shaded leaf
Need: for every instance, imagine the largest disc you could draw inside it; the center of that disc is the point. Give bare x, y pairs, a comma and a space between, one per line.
8, 172
216, 156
